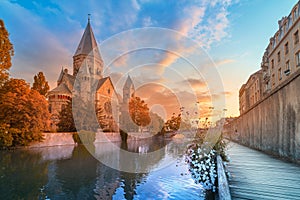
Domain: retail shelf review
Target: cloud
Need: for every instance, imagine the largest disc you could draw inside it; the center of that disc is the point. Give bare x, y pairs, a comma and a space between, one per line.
168, 59
147, 21
196, 83
47, 34
36, 48
121, 61
157, 94
224, 62
170, 100
135, 4
228, 93
206, 23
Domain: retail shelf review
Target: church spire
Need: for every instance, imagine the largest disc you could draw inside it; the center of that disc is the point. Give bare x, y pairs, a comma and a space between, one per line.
128, 84
128, 90
88, 49
88, 44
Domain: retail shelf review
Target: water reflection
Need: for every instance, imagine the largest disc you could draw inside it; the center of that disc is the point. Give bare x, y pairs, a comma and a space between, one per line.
22, 173
73, 173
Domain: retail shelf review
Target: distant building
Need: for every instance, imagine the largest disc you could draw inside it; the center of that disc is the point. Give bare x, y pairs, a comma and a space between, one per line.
251, 92
281, 59
87, 76
128, 92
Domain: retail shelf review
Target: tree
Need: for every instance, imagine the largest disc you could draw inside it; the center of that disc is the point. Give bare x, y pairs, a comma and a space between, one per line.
156, 123
127, 124
23, 114
66, 120
139, 111
172, 124
6, 52
40, 84
84, 114
105, 121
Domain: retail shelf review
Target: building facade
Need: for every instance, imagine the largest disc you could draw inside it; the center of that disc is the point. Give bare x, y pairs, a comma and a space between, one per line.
280, 61
86, 82
251, 92
282, 56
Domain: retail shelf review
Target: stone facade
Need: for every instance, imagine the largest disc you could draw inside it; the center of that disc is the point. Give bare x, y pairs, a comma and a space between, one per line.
86, 82
128, 92
251, 92
282, 56
270, 101
273, 124
59, 96
281, 59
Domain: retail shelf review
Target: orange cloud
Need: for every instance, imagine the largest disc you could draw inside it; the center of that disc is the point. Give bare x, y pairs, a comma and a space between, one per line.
168, 59
170, 100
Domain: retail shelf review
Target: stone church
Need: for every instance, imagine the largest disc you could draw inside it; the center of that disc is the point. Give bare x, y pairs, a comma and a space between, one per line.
88, 78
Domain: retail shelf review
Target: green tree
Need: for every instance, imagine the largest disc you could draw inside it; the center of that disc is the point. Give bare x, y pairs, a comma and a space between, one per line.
139, 111
156, 123
127, 124
40, 84
105, 121
66, 120
6, 52
23, 114
84, 114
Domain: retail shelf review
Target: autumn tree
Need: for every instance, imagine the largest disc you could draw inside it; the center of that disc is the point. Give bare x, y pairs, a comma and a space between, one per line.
40, 84
173, 124
139, 111
66, 120
23, 114
6, 52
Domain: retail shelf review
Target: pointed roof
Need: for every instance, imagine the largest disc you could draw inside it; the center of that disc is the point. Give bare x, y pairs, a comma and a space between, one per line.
61, 75
61, 89
102, 81
128, 83
65, 77
88, 44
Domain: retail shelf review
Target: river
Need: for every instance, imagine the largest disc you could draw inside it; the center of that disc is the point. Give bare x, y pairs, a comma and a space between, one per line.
73, 172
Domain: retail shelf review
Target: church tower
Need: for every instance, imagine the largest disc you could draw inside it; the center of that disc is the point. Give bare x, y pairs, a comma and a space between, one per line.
128, 90
87, 53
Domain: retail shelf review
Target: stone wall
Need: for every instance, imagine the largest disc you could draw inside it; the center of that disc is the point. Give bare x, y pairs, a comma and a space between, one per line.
62, 139
54, 139
273, 124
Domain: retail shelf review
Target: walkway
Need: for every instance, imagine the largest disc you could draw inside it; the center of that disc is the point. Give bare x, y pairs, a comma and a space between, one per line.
255, 175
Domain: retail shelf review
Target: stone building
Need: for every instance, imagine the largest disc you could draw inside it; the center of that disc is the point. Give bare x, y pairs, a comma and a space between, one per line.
280, 61
128, 92
126, 123
243, 99
59, 96
251, 92
87, 80
282, 56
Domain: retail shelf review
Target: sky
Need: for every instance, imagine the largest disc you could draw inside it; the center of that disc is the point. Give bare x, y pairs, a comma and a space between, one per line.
177, 52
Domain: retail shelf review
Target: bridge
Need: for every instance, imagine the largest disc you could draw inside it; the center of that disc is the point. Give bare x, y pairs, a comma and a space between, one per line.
255, 175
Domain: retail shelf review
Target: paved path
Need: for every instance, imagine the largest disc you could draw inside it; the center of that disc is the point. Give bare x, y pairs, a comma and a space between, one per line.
255, 175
